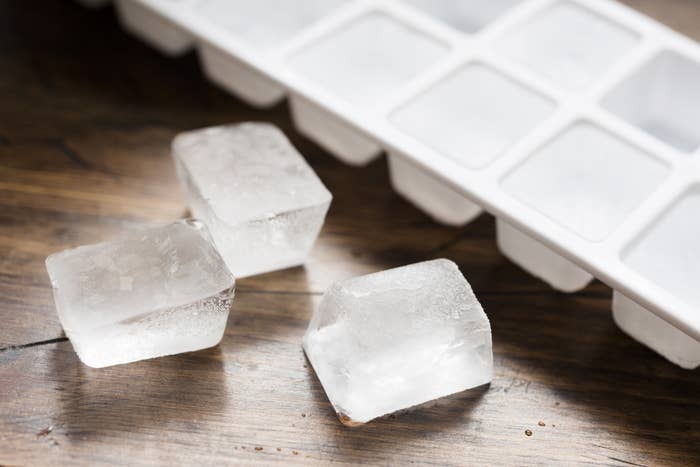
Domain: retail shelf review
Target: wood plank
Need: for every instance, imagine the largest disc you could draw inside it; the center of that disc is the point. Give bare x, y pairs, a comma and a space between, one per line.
86, 118
600, 396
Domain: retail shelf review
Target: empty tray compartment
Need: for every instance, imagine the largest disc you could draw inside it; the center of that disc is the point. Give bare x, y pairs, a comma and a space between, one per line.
667, 253
153, 28
568, 44
362, 63
585, 179
473, 116
431, 195
663, 99
466, 16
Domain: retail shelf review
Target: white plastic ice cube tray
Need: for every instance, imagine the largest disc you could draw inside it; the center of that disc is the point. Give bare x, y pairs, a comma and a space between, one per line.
576, 123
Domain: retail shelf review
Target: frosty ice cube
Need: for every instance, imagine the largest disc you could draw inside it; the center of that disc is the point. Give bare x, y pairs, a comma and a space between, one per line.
146, 294
263, 204
399, 338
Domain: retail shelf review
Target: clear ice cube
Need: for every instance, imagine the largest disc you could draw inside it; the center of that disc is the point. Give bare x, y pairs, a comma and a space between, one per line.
262, 203
145, 294
397, 339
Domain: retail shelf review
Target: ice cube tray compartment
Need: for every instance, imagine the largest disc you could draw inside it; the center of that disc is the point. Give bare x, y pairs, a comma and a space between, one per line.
567, 44
362, 62
662, 98
473, 116
572, 121
575, 180
468, 17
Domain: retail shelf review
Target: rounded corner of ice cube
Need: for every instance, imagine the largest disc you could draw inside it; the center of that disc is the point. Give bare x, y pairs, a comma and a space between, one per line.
54, 261
192, 222
50, 262
447, 263
198, 226
305, 341
229, 292
348, 421
337, 287
326, 195
263, 125
178, 141
97, 364
217, 340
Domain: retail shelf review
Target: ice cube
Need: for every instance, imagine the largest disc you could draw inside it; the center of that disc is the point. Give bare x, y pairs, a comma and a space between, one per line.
146, 294
263, 204
399, 338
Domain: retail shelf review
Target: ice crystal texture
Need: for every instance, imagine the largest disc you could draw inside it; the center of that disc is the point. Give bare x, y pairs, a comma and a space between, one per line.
146, 294
262, 203
399, 338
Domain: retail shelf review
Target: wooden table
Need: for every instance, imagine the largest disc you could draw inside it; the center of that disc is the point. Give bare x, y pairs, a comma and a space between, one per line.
86, 117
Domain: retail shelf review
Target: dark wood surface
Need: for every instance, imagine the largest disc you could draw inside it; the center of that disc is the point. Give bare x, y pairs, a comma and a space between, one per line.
86, 117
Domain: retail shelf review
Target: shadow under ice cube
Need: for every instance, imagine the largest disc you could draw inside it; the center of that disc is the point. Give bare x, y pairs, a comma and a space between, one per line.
262, 203
397, 339
145, 294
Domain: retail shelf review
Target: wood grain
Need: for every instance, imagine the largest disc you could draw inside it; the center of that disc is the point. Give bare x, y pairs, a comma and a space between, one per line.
86, 118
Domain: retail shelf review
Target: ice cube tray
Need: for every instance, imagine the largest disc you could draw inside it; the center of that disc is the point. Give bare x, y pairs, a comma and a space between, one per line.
573, 122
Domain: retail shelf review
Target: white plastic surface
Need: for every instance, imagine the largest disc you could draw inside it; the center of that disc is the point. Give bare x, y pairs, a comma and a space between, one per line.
332, 134
152, 28
238, 78
474, 115
444, 204
568, 45
667, 253
539, 260
467, 16
663, 99
574, 121
655, 333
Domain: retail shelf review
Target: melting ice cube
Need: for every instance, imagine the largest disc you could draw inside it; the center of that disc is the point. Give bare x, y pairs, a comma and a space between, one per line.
146, 294
263, 204
399, 338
